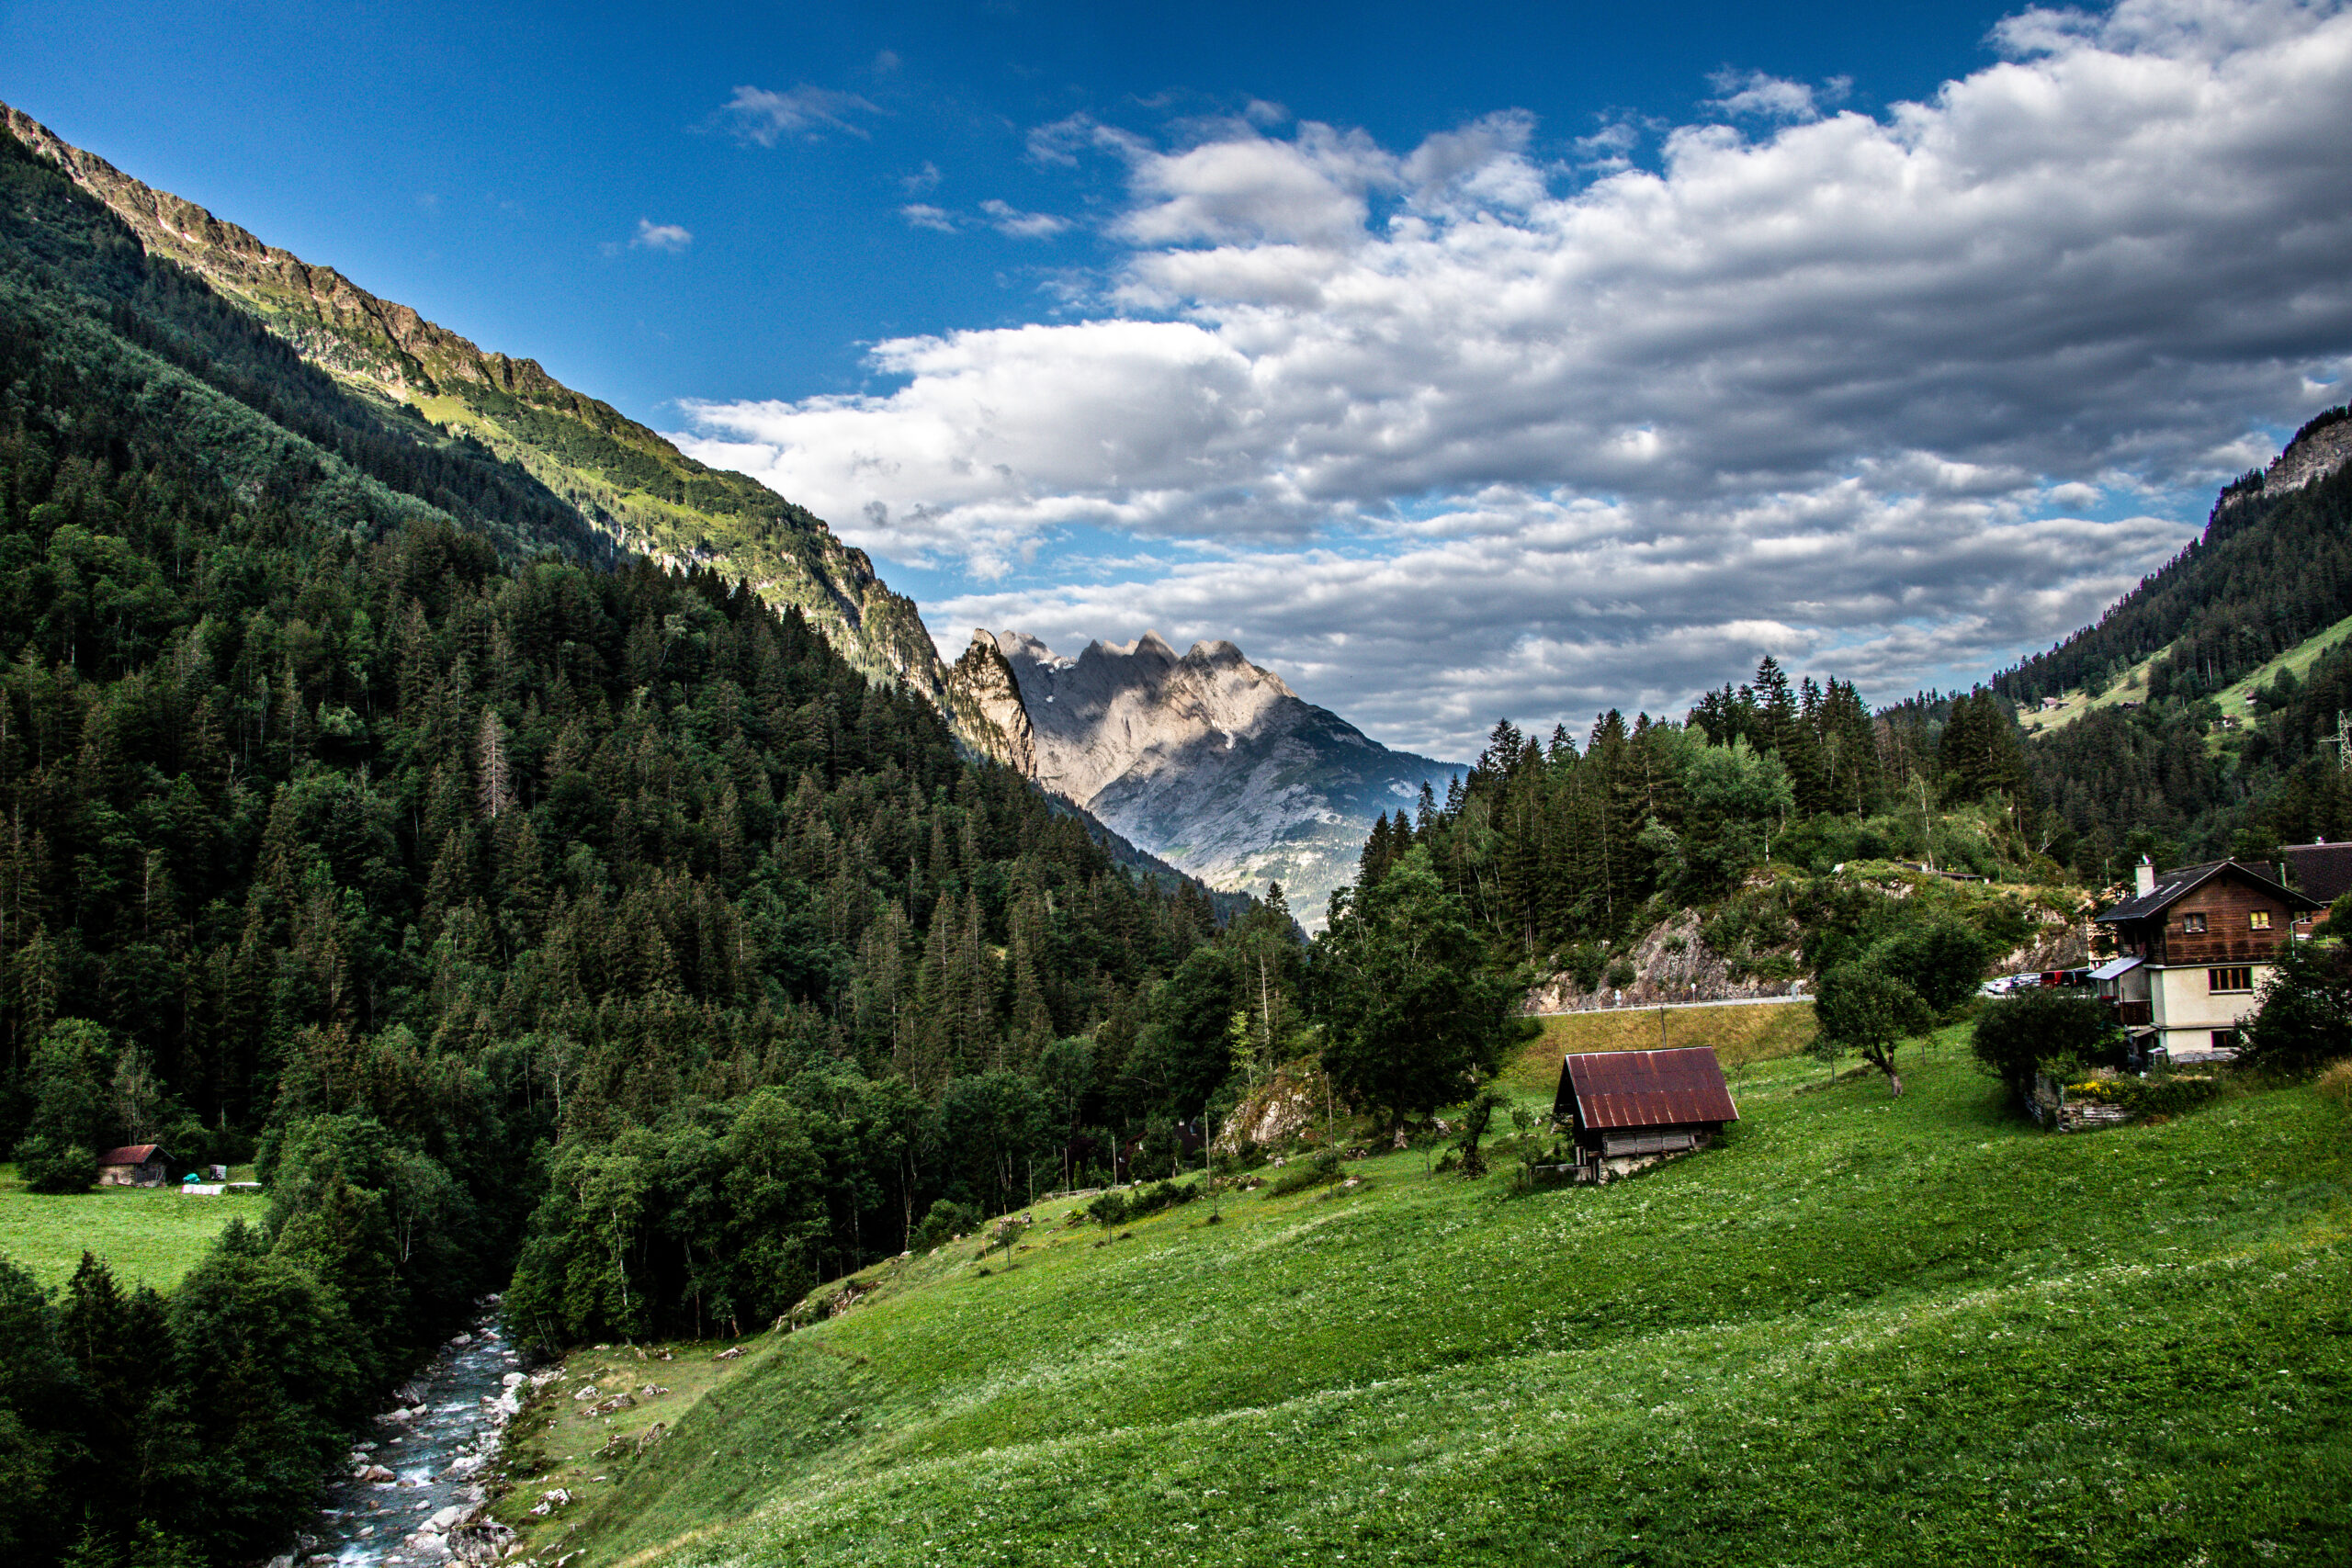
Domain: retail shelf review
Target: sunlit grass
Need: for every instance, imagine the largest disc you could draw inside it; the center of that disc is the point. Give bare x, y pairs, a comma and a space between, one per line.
149, 1235
1861, 1329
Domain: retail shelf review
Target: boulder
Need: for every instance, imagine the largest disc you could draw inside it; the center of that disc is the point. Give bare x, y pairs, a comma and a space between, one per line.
377, 1476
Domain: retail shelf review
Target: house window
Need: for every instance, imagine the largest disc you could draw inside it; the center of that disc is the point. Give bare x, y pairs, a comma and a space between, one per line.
2225, 1040
2194, 925
2221, 980
2257, 919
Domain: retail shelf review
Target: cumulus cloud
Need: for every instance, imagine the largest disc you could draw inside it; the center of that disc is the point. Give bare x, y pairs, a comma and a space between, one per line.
1511, 433
923, 214
756, 113
652, 236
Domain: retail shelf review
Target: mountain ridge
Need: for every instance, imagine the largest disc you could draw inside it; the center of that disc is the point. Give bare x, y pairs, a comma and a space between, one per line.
625, 480
1205, 759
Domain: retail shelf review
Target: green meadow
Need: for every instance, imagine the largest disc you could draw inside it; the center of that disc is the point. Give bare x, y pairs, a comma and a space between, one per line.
148, 1236
1860, 1330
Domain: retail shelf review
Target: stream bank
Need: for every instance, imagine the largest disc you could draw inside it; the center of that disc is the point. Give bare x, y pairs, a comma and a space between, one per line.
413, 1490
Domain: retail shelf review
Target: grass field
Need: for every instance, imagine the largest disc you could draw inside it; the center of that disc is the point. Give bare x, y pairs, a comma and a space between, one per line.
1861, 1330
1742, 1036
149, 1235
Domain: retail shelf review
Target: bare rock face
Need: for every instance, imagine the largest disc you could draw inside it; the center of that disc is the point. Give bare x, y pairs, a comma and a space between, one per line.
983, 681
2313, 454
1204, 758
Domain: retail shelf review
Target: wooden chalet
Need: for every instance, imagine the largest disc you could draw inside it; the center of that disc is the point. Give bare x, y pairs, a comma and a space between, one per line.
1627, 1108
2193, 949
133, 1165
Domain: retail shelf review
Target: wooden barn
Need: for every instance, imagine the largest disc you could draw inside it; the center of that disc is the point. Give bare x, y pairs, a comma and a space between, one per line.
1628, 1108
133, 1165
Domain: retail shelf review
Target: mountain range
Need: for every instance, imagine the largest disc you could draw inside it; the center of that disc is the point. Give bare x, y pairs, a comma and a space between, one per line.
1211, 760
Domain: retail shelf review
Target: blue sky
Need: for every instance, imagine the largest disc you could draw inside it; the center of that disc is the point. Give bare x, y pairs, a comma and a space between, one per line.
1381, 339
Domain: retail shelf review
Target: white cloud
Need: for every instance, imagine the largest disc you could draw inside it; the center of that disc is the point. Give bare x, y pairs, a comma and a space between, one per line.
1011, 221
1508, 434
1765, 96
756, 113
923, 214
923, 179
652, 236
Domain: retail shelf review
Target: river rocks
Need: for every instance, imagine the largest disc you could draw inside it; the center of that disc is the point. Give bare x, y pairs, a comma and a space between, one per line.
482, 1541
513, 1379
375, 1475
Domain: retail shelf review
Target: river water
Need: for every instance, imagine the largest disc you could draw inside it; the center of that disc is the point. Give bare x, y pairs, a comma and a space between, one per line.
411, 1483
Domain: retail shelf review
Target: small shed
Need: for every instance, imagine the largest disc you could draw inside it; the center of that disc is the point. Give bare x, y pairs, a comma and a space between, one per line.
133, 1165
1628, 1108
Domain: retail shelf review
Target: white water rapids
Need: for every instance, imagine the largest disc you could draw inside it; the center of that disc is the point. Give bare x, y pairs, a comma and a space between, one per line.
411, 1491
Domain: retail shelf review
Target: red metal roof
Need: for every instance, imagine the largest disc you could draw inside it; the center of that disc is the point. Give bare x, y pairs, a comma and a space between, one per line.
1649, 1089
129, 1154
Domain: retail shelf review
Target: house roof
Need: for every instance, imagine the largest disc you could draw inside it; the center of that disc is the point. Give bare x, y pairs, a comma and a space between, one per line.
1647, 1088
2323, 871
2115, 968
2173, 885
130, 1153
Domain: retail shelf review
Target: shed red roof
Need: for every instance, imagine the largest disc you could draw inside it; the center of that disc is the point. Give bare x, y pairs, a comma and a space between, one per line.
129, 1154
1647, 1088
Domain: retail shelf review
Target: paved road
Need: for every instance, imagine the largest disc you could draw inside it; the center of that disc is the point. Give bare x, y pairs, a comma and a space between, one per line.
1673, 1007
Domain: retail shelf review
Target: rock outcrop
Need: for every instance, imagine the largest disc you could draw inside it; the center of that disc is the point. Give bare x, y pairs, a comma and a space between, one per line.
1204, 758
2318, 449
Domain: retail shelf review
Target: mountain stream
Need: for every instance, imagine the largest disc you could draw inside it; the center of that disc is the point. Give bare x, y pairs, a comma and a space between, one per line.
409, 1493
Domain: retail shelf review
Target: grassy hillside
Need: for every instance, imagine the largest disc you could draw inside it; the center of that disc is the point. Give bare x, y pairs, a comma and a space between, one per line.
149, 1237
1862, 1330
2133, 686
1741, 1036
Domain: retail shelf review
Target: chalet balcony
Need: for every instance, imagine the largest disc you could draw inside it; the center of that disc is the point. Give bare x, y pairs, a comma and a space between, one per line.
2240, 947
2134, 1015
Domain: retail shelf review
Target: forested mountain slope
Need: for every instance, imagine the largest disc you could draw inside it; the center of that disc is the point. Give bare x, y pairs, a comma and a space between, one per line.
612, 475
2273, 566
2166, 772
357, 814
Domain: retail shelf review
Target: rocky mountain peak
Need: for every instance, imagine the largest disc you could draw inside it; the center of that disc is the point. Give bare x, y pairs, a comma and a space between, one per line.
1204, 758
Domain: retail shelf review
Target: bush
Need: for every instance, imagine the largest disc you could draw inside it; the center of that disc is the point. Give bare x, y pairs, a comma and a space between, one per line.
1155, 1157
943, 1221
2041, 1030
2335, 1083
1116, 1208
2306, 1017
1323, 1168
45, 1165
1621, 974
